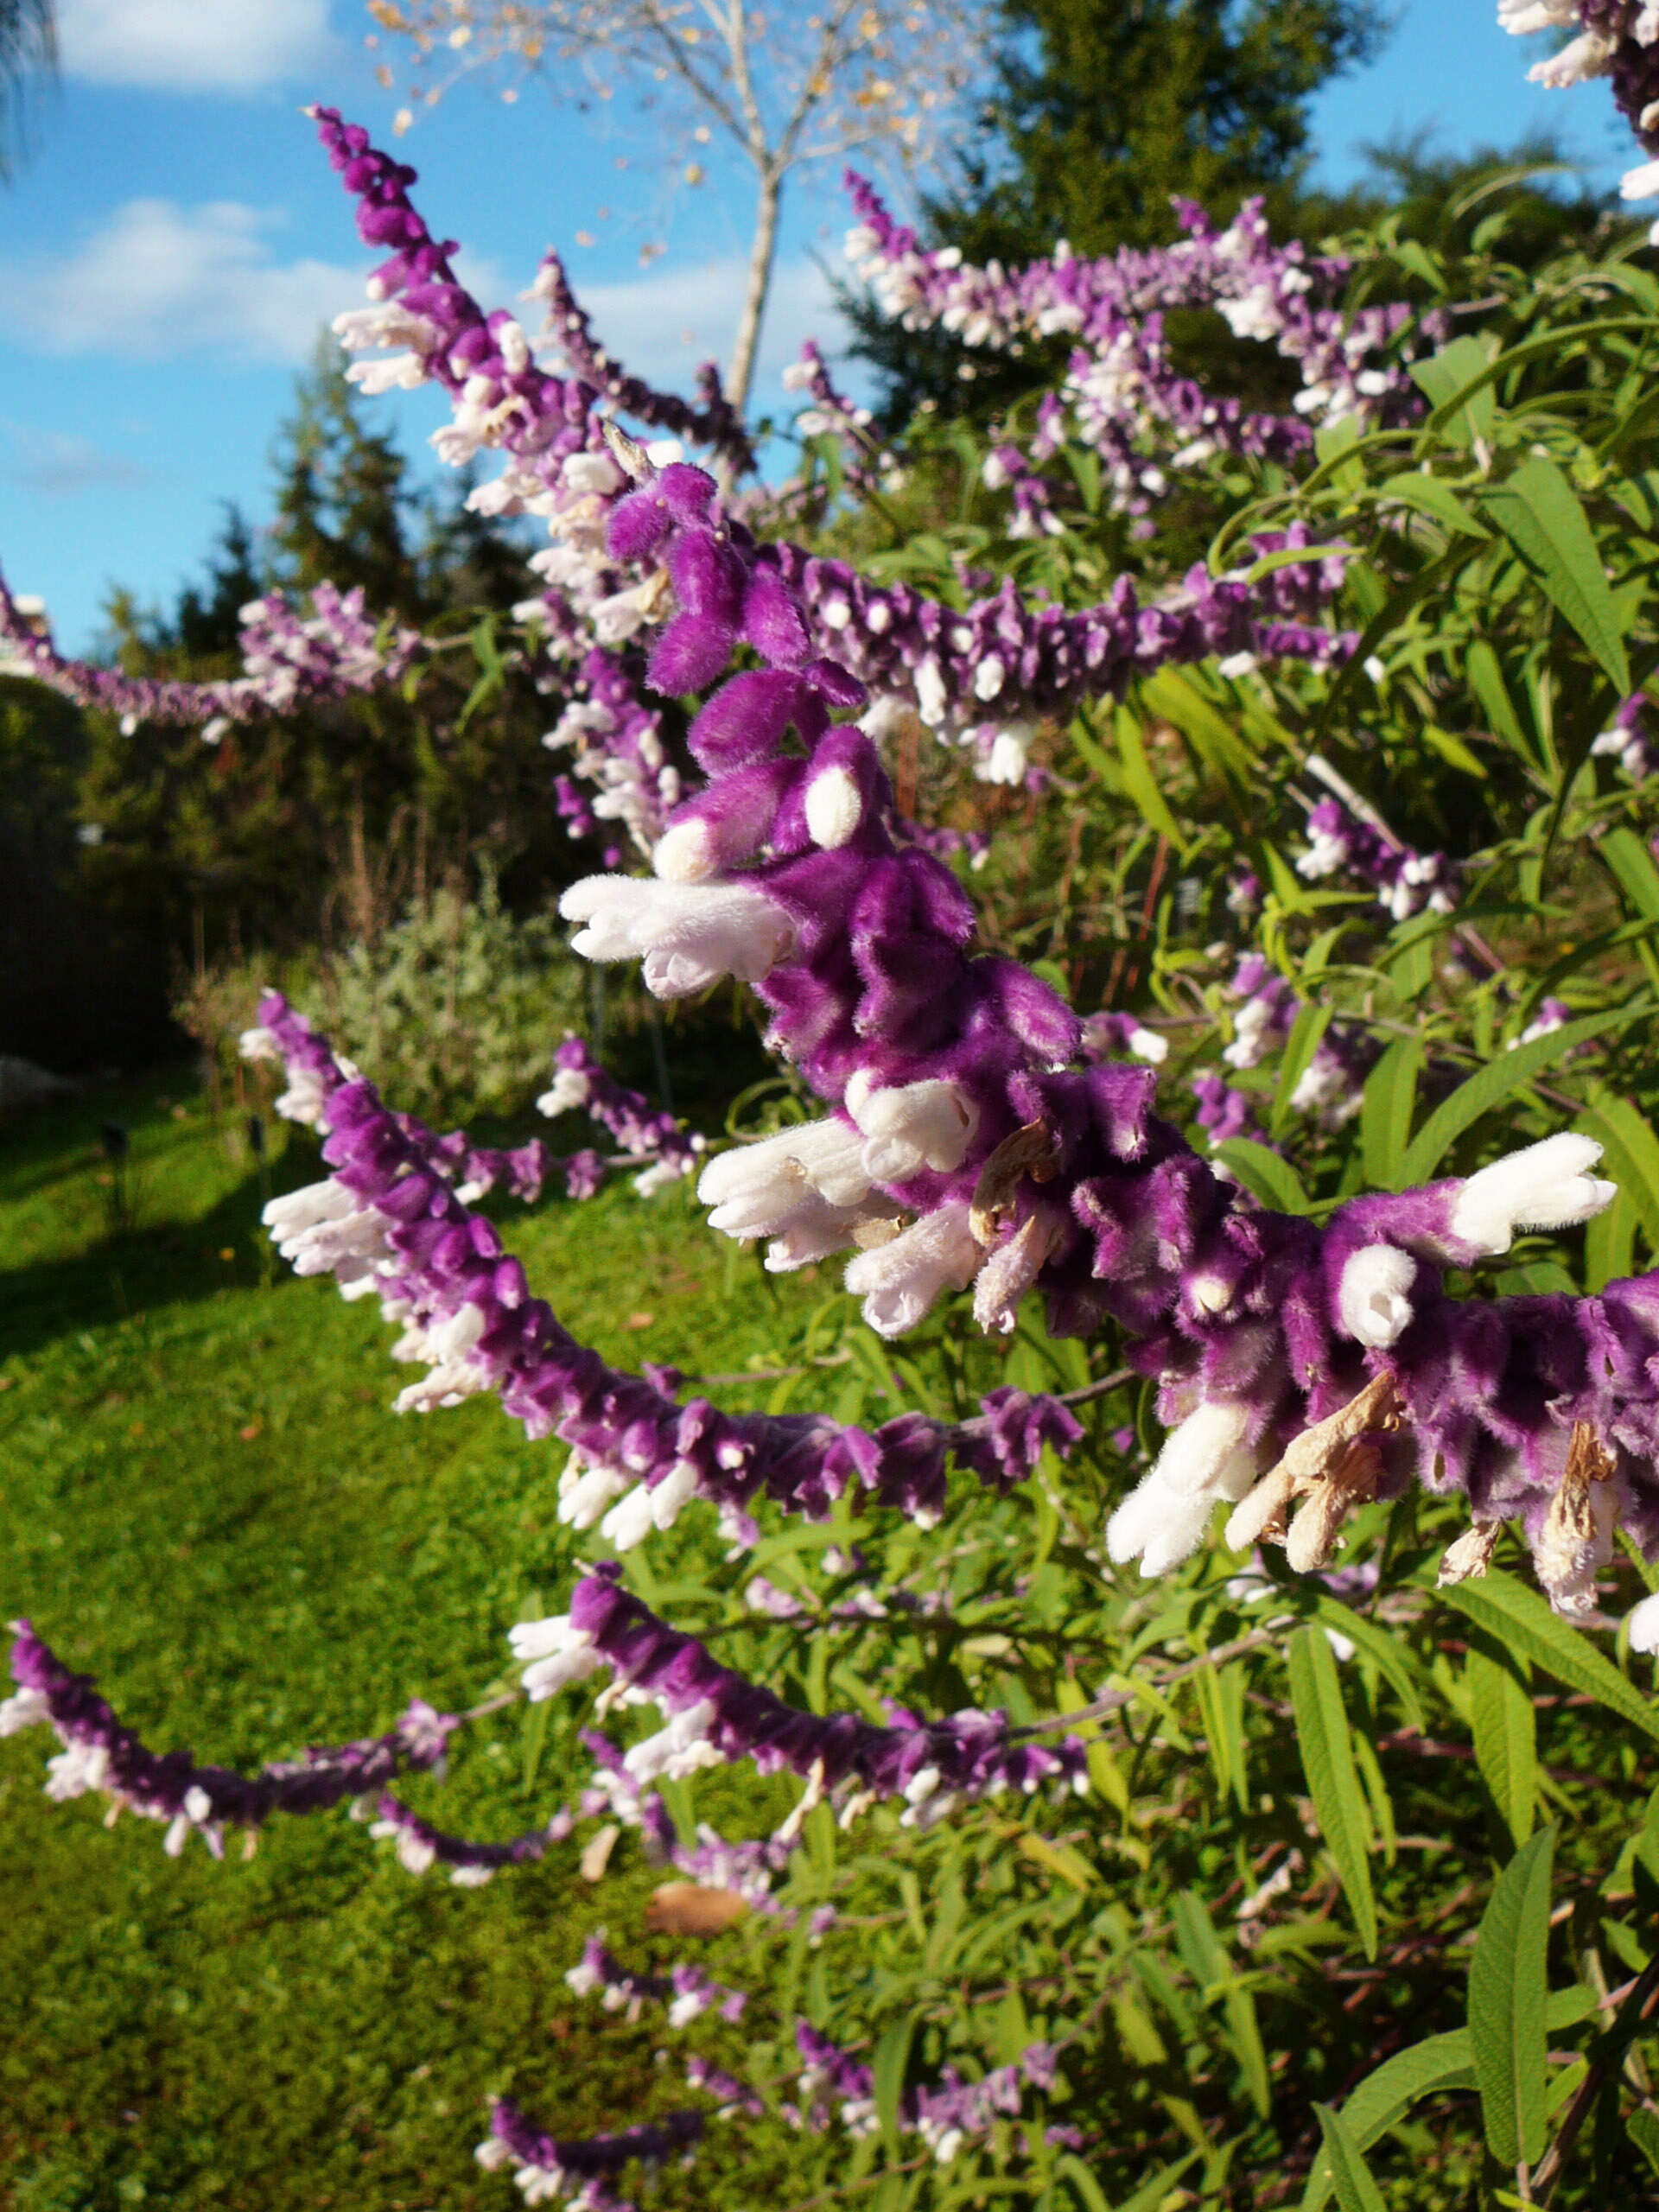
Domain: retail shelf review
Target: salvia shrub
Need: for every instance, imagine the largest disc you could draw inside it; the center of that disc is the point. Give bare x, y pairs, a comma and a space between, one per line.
1187, 1685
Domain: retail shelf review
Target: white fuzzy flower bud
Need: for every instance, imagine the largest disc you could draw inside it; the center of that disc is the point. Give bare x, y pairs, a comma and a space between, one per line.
911, 1125
1372, 1301
1544, 1185
834, 807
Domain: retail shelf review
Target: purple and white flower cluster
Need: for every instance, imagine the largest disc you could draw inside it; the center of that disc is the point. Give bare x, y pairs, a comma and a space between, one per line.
288, 660
713, 1716
1122, 396
616, 745
952, 2112
651, 1139
1407, 882
390, 1222
644, 1132
1615, 39
569, 332
101, 1753
1631, 739
584, 2172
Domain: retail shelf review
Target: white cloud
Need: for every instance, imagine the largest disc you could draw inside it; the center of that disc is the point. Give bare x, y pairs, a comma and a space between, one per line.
662, 325
56, 464
159, 280
193, 46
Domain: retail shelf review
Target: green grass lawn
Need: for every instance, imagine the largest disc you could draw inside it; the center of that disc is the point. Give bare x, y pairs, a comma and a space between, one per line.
206, 1502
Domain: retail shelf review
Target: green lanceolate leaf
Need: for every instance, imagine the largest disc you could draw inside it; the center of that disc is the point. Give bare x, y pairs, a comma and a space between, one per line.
1505, 1730
1489, 1086
1509, 1990
1391, 1099
887, 2068
1518, 1618
1140, 783
1629, 861
1349, 2174
1437, 2063
1333, 1784
1264, 1175
1538, 511
1632, 1156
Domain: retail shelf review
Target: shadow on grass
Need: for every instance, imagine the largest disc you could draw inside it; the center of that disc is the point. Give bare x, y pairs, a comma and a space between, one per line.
140, 1269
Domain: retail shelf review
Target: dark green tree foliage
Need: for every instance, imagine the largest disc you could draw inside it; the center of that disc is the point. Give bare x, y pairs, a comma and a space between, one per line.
318, 827
1104, 109
79, 989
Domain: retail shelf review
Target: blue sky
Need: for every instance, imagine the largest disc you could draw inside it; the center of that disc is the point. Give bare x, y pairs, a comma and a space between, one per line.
170, 250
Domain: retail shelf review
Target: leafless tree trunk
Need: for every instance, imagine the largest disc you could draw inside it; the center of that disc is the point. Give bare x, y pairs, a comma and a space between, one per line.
762, 250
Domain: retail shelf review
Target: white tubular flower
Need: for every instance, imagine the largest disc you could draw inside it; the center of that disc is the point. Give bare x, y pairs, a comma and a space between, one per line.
1589, 55
929, 692
23, 1709
684, 854
767, 1189
1545, 1186
1163, 1520
1006, 762
78, 1768
1522, 18
1372, 1299
680, 1749
1644, 1625
585, 1491
911, 1125
1640, 183
552, 1655
817, 1232
1147, 1045
322, 1229
571, 1088
899, 1281
398, 371
689, 934
629, 1521
447, 1384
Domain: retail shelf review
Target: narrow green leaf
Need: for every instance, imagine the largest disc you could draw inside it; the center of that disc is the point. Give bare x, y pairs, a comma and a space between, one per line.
1516, 1616
1265, 1174
536, 1718
1077, 2178
1538, 510
1437, 2063
1631, 864
1487, 678
1212, 736
1550, 341
1509, 1990
1328, 1764
1632, 1155
1140, 783
1489, 1086
1350, 2177
1383, 1647
887, 2068
1391, 1098
1426, 2070
1150, 2196
1505, 1732
1429, 496
1643, 2128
